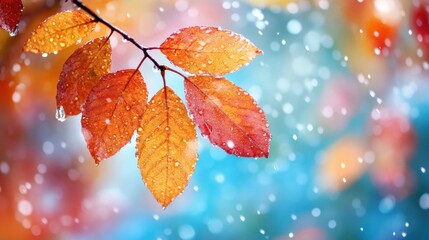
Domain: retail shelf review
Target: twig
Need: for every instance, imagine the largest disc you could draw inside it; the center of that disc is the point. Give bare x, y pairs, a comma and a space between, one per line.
127, 37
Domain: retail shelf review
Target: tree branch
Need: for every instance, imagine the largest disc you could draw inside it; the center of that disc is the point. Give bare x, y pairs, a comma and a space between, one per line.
113, 28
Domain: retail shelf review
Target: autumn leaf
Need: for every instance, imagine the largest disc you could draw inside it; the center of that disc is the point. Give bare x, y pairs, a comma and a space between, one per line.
228, 116
60, 31
113, 111
166, 146
10, 14
208, 50
82, 70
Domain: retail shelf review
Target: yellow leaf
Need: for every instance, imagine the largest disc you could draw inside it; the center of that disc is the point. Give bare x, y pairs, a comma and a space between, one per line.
166, 146
60, 31
208, 50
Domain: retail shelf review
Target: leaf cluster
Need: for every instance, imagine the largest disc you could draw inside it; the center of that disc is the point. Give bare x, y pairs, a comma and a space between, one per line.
115, 105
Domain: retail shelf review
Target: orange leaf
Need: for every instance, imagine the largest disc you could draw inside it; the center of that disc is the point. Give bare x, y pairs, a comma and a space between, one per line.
166, 146
82, 70
10, 14
208, 50
60, 31
228, 116
113, 111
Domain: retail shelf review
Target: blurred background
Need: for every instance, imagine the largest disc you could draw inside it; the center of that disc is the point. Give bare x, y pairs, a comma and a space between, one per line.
344, 85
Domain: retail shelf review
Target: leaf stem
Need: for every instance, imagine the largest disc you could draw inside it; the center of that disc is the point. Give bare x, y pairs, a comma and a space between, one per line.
175, 71
163, 78
153, 48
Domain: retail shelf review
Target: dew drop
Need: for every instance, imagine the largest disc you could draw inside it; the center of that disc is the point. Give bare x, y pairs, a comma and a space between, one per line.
60, 115
202, 43
230, 144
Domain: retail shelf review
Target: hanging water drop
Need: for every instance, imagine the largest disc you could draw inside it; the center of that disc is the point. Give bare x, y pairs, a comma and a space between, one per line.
14, 32
60, 114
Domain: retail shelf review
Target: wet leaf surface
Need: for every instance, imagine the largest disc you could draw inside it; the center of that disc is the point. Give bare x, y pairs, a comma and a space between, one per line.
10, 14
60, 31
228, 116
82, 70
166, 146
208, 50
113, 111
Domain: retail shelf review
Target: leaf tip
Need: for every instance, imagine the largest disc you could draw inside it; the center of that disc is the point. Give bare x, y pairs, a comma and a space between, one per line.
266, 154
165, 201
164, 206
97, 160
259, 51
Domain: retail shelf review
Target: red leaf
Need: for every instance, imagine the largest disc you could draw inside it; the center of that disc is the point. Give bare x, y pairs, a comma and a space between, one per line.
228, 116
10, 14
82, 70
113, 111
